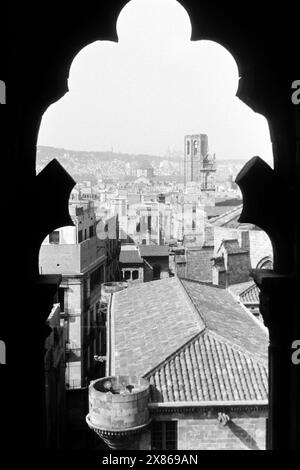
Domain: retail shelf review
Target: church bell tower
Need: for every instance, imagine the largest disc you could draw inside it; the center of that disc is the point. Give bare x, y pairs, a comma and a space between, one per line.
200, 167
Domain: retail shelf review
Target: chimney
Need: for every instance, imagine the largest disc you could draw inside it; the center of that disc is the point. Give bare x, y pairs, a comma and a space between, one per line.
161, 199
245, 240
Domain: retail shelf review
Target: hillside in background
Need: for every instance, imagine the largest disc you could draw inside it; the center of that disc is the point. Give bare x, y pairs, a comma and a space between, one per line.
96, 165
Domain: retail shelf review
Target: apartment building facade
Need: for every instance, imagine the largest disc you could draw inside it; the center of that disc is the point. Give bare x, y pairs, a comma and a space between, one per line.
85, 256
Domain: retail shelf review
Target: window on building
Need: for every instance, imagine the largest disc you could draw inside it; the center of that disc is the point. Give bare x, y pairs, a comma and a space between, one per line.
156, 271
88, 322
54, 237
61, 298
138, 227
149, 223
85, 359
135, 274
195, 146
96, 278
188, 147
88, 359
91, 231
85, 292
79, 236
85, 233
265, 263
127, 275
164, 435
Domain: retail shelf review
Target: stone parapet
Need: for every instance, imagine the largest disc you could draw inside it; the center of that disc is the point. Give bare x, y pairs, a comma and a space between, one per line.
118, 409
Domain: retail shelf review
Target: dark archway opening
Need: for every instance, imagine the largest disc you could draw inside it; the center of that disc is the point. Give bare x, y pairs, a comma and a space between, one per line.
259, 66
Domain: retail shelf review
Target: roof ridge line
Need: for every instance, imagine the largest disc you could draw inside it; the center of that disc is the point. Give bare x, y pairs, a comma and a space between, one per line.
174, 353
236, 208
218, 337
237, 348
249, 288
191, 302
202, 283
194, 305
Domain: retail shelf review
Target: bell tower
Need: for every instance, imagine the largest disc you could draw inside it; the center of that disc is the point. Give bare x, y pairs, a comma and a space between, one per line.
200, 167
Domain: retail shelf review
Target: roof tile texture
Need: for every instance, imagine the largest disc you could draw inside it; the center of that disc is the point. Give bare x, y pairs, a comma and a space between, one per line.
152, 320
209, 369
194, 342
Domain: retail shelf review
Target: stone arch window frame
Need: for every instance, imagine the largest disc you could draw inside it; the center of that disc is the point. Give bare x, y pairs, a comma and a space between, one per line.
135, 274
188, 147
264, 261
127, 274
250, 94
195, 147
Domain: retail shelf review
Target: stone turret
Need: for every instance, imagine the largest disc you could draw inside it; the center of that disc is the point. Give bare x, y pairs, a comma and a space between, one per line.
118, 410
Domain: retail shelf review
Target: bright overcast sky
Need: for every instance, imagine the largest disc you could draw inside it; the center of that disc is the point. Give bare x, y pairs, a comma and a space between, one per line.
144, 93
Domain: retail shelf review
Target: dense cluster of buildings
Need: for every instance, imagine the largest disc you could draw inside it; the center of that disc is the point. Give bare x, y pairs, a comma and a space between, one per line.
157, 317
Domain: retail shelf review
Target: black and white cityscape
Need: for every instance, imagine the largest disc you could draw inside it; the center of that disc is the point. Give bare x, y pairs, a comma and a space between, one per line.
157, 325
156, 281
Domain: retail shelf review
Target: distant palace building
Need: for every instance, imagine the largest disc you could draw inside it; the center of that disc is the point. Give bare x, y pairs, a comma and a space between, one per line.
145, 169
200, 167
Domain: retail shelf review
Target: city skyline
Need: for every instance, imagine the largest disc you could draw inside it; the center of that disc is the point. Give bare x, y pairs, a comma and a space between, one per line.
144, 93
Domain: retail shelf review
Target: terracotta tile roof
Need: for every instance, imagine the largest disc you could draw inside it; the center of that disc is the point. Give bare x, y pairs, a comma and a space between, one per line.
237, 289
193, 341
224, 316
216, 211
130, 257
250, 295
246, 292
229, 202
154, 250
209, 369
230, 219
151, 321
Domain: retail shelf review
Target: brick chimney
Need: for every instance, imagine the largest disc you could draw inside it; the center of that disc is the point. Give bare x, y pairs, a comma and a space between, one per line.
245, 240
232, 264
